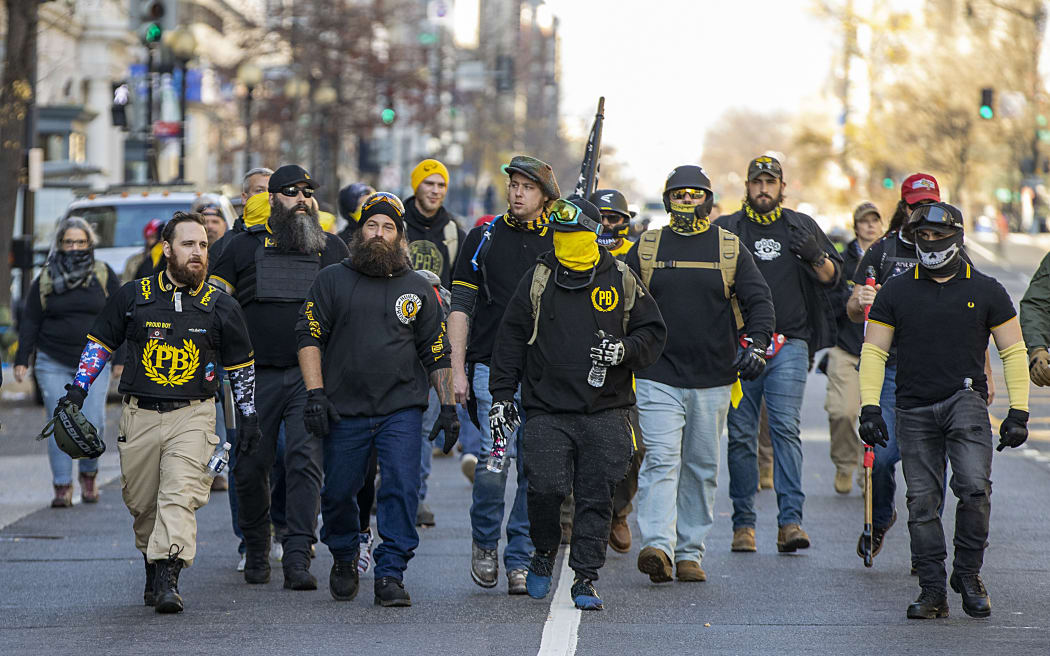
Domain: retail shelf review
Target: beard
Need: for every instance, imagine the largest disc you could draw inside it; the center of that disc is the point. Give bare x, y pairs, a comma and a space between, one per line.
182, 274
295, 231
765, 203
377, 257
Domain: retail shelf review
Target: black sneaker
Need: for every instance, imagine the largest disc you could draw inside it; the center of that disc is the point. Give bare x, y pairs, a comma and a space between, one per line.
151, 572
257, 566
391, 592
343, 580
585, 596
974, 595
930, 605
299, 578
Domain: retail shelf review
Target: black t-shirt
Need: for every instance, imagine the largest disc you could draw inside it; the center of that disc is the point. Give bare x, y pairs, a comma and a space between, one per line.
701, 330
941, 331
270, 323
60, 329
510, 253
850, 334
771, 247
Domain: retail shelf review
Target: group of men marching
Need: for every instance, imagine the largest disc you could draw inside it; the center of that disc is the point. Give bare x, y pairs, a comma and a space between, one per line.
599, 366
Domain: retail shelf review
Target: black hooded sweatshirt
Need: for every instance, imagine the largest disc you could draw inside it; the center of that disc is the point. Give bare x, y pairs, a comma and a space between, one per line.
427, 247
553, 370
380, 338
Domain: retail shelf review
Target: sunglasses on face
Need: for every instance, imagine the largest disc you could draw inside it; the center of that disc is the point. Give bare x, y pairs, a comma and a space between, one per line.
293, 191
695, 194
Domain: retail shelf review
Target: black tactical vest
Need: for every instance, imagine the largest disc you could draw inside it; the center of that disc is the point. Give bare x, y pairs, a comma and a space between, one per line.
280, 275
171, 354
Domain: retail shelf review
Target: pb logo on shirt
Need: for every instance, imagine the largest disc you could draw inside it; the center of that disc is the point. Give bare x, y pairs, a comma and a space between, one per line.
170, 366
407, 307
605, 300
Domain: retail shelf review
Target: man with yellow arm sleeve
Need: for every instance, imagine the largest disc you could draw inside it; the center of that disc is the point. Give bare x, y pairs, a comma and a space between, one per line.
941, 317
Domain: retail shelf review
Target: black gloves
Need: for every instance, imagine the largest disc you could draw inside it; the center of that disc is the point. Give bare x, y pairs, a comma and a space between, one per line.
503, 421
609, 351
75, 394
447, 421
319, 413
751, 362
804, 244
873, 428
249, 435
1014, 430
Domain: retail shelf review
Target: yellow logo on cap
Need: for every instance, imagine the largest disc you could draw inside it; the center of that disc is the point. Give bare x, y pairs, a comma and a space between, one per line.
605, 300
970, 304
181, 363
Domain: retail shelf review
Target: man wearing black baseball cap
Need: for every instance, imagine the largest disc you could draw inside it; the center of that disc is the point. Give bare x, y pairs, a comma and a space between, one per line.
578, 439
801, 266
268, 269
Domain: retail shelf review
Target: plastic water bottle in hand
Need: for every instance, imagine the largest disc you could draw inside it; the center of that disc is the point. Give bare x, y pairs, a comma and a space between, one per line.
596, 376
219, 459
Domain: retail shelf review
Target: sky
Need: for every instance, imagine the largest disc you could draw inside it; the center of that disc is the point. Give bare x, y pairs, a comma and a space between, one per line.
669, 68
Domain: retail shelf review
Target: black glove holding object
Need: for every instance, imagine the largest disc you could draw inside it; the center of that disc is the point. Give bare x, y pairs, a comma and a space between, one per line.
609, 351
751, 362
75, 394
804, 244
447, 421
1014, 430
873, 429
319, 414
249, 435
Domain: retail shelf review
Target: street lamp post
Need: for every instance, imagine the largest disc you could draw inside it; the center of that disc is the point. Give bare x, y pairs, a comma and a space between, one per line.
184, 47
250, 76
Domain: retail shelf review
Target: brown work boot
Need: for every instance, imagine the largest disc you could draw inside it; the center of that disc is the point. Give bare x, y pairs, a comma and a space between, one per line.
219, 484
744, 539
690, 571
620, 535
656, 564
843, 481
791, 537
63, 496
765, 478
88, 491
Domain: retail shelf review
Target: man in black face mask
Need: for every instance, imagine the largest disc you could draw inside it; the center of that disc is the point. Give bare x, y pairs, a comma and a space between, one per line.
940, 319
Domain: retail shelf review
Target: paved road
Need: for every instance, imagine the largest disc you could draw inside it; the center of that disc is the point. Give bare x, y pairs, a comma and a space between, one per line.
71, 580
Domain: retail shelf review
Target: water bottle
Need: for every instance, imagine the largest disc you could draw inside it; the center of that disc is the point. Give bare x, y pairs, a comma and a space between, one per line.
495, 462
596, 376
219, 460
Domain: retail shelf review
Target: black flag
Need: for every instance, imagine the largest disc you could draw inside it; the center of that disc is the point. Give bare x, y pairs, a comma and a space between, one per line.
588, 180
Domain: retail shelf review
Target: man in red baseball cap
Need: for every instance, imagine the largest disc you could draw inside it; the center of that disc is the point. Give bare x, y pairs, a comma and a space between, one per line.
919, 187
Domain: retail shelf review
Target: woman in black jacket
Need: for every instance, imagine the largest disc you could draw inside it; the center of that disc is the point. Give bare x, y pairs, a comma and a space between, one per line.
62, 303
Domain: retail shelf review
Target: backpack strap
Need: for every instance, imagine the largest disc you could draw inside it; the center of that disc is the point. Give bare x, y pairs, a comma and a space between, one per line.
631, 291
727, 260
648, 246
540, 275
451, 239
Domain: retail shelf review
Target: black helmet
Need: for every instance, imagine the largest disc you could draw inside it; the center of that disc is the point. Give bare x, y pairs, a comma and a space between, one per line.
610, 200
689, 176
936, 215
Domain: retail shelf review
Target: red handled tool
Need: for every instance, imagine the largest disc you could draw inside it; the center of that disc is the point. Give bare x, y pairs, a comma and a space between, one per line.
869, 457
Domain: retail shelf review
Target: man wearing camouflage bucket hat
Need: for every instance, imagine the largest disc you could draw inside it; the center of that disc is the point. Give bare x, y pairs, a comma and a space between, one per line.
495, 256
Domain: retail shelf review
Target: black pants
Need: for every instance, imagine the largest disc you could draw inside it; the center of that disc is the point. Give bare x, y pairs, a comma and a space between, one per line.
625, 489
585, 455
957, 428
280, 396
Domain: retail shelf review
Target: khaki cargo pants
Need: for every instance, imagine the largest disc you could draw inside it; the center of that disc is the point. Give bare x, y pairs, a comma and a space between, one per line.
164, 474
843, 407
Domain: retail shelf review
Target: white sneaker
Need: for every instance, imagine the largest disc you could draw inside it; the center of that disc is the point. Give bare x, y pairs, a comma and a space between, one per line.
364, 555
277, 551
467, 463
240, 565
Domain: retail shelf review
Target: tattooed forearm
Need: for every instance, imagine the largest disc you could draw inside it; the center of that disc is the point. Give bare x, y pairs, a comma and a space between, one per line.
441, 381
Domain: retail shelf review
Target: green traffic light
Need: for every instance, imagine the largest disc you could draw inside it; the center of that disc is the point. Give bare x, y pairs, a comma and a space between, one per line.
986, 112
388, 115
153, 33
887, 182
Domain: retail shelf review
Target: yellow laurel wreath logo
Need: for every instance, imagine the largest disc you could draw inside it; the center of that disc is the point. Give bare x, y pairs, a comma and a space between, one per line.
605, 300
182, 363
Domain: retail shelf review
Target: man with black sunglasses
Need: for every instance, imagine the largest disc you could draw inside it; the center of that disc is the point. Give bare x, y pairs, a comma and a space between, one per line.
269, 269
578, 326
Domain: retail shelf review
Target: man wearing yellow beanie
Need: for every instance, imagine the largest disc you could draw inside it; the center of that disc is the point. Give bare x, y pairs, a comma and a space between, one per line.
433, 237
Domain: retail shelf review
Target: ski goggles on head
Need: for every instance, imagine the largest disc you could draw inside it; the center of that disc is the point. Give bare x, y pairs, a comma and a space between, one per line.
383, 197
936, 215
566, 213
680, 194
291, 191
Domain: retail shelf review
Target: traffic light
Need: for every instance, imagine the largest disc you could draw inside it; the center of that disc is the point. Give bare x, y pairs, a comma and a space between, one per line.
150, 19
887, 182
388, 115
987, 110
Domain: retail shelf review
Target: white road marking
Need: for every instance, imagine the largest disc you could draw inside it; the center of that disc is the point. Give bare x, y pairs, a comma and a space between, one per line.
563, 621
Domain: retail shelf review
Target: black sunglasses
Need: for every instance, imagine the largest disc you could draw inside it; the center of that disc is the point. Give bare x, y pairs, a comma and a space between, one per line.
293, 191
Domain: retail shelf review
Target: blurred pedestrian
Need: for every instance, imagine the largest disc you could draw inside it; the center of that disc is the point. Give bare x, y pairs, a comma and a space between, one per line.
214, 220
253, 183
63, 301
151, 252
350, 199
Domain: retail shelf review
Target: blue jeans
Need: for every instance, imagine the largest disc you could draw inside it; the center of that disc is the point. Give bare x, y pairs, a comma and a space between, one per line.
469, 435
679, 475
486, 509
346, 452
884, 470
426, 451
53, 378
782, 384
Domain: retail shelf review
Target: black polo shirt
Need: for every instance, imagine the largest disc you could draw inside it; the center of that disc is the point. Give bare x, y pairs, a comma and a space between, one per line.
941, 331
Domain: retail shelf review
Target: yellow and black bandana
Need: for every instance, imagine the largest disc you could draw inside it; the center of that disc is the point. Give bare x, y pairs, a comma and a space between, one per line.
761, 219
536, 225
